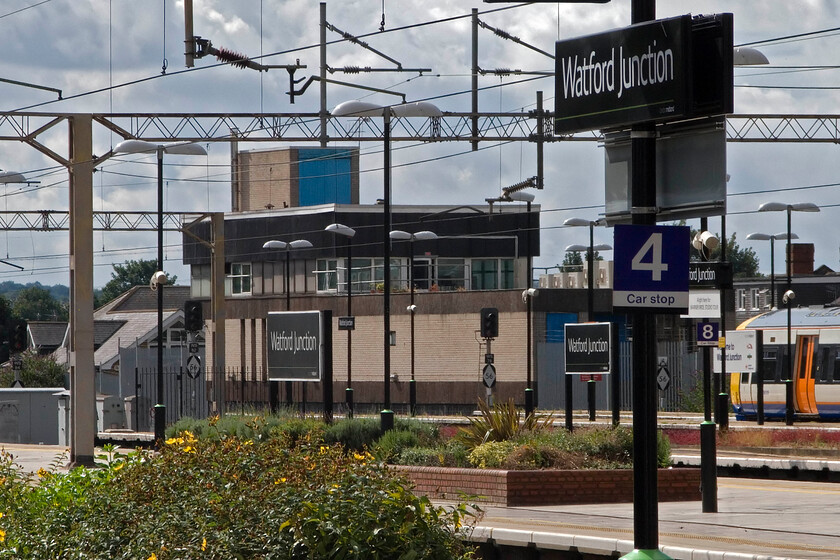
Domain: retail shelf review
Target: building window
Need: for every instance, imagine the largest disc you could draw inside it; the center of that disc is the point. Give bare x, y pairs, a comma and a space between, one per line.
485, 274
240, 279
507, 275
451, 274
741, 300
756, 298
327, 275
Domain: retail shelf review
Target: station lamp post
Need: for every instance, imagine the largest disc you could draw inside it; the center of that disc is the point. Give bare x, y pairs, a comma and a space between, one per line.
7, 177
789, 295
159, 279
364, 109
399, 235
772, 238
275, 245
348, 233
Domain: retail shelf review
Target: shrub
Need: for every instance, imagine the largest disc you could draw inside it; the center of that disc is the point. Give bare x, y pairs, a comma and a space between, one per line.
393, 442
225, 498
491, 455
541, 456
500, 423
355, 434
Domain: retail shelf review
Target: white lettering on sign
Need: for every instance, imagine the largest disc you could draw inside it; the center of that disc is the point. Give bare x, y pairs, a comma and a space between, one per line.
588, 345
656, 266
594, 75
281, 342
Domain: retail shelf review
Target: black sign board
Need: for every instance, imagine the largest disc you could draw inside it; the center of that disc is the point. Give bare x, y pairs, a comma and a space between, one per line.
588, 348
293, 346
347, 323
710, 275
661, 70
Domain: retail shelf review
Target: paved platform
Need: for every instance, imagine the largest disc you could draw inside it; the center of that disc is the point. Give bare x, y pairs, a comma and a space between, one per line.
756, 520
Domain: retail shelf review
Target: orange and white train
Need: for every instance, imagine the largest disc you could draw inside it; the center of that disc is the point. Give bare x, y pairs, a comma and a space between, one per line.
815, 345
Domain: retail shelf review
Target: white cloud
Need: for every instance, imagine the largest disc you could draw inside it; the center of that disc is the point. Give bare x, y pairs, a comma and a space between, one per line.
85, 45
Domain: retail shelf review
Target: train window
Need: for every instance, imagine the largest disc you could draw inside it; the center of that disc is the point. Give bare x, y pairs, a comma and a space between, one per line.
835, 366
802, 356
821, 372
770, 364
745, 378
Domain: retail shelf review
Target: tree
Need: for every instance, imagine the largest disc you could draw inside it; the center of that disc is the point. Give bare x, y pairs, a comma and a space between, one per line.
36, 371
124, 277
574, 260
35, 303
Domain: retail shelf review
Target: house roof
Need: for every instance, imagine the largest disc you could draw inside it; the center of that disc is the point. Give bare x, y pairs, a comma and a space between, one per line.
131, 319
47, 334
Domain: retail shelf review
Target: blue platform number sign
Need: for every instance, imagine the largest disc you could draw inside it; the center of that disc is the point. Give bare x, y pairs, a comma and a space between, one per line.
707, 334
651, 268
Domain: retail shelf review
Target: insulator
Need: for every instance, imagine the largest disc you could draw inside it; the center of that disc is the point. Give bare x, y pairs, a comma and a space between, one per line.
232, 58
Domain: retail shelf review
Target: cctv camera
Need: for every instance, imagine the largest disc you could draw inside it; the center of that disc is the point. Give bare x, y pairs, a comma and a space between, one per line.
411, 308
788, 296
705, 239
530, 292
157, 279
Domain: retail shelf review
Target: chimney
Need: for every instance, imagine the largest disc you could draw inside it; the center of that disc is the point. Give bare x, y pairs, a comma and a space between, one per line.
802, 258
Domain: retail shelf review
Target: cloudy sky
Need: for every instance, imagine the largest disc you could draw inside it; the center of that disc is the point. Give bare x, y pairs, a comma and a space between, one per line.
125, 56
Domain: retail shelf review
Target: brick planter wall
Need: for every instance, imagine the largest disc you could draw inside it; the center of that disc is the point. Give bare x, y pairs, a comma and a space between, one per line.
546, 487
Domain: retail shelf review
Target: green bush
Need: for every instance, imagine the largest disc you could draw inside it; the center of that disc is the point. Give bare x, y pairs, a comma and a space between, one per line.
491, 455
500, 423
224, 497
355, 434
393, 442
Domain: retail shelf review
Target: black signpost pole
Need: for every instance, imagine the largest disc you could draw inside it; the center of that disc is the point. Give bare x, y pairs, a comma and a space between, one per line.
643, 210
708, 453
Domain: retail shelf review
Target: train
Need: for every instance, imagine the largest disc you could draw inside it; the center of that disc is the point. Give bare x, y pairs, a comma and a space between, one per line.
815, 345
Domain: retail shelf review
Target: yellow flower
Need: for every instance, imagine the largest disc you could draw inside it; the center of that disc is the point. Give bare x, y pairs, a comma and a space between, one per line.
152, 557
203, 544
119, 466
2, 535
42, 472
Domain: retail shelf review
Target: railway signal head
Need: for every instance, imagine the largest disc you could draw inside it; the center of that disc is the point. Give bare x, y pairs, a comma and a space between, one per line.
489, 322
193, 317
19, 340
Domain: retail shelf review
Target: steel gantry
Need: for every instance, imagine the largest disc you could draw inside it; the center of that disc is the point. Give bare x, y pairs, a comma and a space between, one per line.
451, 127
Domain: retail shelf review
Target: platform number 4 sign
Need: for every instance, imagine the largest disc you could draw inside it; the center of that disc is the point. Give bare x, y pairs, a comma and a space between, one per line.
651, 268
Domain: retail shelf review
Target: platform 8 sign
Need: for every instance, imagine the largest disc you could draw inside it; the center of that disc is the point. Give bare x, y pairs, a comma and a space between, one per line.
651, 268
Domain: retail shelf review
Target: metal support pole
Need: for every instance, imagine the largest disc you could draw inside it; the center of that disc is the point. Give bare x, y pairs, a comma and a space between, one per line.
643, 197
474, 89
590, 312
387, 415
412, 387
708, 452
529, 392
82, 390
722, 403
789, 377
160, 407
322, 112
348, 392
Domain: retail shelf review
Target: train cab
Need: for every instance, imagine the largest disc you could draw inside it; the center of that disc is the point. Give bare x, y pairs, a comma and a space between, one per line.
810, 349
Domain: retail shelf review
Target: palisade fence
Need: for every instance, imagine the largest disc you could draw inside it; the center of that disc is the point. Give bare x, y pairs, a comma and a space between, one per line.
247, 391
187, 395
